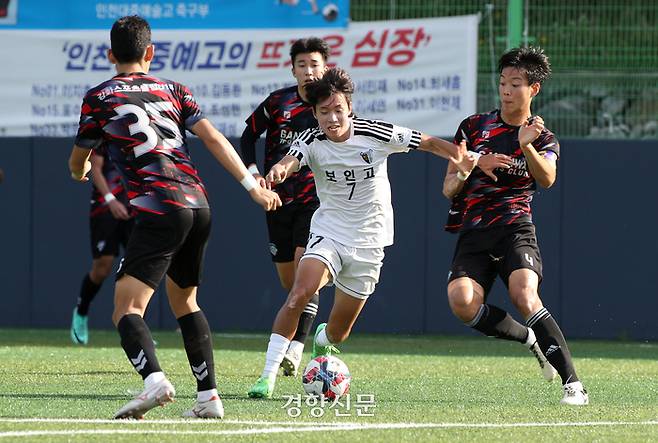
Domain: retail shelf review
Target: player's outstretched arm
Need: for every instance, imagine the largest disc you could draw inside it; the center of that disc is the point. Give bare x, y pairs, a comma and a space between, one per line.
223, 151
452, 184
457, 154
248, 150
79, 163
454, 180
542, 167
282, 170
118, 210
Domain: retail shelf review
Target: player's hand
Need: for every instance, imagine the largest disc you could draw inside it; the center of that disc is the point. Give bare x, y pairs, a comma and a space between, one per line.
269, 200
276, 175
487, 163
261, 181
463, 160
530, 130
82, 177
118, 210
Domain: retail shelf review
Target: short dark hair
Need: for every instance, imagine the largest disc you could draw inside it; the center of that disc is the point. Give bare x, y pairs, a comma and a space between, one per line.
308, 45
333, 81
129, 37
530, 61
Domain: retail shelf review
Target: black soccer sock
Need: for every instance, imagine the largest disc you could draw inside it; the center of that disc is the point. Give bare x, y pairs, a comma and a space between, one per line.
307, 318
494, 322
552, 344
137, 342
88, 291
198, 346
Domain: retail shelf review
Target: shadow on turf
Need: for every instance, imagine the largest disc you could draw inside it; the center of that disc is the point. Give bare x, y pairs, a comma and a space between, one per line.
123, 373
386, 344
66, 396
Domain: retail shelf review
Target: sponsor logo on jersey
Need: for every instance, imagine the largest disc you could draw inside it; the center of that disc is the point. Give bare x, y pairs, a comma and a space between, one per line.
273, 249
287, 136
518, 167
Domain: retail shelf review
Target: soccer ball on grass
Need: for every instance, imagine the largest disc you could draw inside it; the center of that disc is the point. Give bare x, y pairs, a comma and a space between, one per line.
327, 376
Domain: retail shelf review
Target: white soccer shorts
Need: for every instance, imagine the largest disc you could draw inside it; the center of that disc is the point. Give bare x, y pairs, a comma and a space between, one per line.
355, 271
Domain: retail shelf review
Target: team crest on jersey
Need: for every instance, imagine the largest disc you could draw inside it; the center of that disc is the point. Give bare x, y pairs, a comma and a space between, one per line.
485, 134
287, 115
367, 156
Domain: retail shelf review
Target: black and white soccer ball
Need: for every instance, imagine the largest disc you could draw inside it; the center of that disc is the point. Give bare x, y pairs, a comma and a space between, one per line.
330, 12
327, 376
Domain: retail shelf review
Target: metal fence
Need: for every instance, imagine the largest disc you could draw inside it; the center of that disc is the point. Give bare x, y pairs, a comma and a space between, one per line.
604, 55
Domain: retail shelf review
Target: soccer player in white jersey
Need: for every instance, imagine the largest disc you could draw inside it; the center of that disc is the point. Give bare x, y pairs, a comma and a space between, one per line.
354, 222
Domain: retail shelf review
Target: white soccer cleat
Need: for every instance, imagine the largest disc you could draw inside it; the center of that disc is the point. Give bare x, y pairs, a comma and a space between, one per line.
212, 408
575, 394
547, 370
290, 363
158, 394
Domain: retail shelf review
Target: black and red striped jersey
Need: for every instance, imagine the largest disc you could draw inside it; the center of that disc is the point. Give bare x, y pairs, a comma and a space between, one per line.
114, 182
284, 115
483, 202
141, 121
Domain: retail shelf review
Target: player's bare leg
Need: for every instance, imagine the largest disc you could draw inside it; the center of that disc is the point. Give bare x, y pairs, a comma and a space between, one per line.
131, 296
523, 284
197, 339
345, 311
311, 276
293, 357
465, 296
466, 299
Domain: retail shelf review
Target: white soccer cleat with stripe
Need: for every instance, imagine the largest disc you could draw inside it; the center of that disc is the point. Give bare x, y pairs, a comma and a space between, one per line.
212, 408
158, 394
574, 394
547, 370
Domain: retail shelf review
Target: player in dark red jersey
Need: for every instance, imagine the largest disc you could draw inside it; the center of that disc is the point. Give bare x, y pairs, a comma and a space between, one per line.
141, 121
110, 223
283, 115
497, 235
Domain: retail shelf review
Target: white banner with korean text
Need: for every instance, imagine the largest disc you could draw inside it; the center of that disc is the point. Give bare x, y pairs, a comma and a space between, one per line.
415, 73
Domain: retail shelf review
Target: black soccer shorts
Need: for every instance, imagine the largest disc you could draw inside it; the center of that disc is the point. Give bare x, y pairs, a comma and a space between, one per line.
482, 254
288, 228
173, 243
108, 234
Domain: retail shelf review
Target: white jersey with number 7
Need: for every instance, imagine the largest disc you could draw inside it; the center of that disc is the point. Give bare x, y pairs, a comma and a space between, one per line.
351, 179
